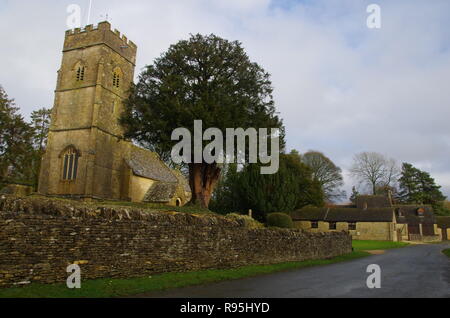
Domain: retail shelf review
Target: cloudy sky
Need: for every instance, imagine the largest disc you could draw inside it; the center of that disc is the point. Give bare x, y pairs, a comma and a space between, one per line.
341, 87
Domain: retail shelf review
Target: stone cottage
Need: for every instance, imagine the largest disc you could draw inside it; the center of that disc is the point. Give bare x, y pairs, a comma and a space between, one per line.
87, 156
372, 218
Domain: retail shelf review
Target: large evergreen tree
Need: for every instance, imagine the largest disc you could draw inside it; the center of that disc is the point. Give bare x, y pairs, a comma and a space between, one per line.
227, 197
418, 187
204, 78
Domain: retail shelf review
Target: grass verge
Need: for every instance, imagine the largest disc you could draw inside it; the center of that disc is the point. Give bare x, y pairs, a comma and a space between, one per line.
104, 288
377, 245
446, 252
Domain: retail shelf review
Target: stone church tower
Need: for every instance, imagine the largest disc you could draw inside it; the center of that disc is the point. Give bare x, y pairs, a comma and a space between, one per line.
86, 156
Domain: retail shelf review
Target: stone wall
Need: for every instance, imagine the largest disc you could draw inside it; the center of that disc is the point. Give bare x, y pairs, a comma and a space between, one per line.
40, 237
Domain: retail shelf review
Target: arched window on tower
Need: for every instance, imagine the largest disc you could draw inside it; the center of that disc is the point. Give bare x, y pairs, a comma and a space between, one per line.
80, 70
80, 73
70, 160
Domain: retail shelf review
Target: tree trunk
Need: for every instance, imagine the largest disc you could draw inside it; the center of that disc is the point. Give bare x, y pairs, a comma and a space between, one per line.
203, 179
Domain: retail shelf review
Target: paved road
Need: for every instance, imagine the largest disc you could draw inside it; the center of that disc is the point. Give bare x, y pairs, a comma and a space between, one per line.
415, 271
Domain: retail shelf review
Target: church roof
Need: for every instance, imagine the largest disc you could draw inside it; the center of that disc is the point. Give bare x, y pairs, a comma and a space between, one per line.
160, 192
147, 164
182, 180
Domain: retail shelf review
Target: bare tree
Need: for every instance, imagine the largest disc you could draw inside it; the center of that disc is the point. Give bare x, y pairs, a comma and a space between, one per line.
326, 173
374, 170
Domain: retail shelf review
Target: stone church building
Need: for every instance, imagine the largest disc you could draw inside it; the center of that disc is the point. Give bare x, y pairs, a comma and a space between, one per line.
86, 154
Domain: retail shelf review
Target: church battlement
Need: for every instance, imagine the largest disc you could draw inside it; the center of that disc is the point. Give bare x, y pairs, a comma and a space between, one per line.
101, 34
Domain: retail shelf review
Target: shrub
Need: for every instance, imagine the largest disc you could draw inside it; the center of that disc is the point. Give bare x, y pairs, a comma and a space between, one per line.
249, 222
280, 220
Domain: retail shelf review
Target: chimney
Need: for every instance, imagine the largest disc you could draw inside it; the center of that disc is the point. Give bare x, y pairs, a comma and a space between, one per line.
390, 197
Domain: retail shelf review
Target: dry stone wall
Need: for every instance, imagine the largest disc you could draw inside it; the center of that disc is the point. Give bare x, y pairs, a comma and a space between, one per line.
40, 237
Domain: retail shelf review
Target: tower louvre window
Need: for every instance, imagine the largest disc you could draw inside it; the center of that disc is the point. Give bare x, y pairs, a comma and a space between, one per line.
80, 73
116, 80
70, 165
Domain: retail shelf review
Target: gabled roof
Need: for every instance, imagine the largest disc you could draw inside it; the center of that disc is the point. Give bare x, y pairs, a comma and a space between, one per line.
344, 214
147, 164
160, 192
408, 214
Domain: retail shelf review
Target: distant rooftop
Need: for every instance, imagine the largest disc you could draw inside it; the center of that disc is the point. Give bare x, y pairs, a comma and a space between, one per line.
344, 214
373, 201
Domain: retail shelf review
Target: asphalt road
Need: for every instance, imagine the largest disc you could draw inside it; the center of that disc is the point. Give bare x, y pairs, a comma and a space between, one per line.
415, 271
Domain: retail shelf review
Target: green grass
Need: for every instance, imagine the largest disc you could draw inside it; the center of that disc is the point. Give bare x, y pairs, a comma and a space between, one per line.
104, 288
376, 245
446, 252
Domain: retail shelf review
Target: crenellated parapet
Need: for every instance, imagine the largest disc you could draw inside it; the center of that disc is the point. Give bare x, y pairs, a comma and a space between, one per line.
101, 34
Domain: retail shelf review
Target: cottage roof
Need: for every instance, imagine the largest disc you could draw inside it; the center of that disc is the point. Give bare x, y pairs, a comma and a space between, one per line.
182, 180
342, 214
414, 214
147, 164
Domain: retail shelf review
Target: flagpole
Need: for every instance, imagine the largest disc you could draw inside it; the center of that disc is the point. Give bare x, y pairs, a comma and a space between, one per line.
89, 12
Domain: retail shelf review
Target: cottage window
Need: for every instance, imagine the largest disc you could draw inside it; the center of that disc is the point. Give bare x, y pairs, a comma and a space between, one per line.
70, 165
332, 225
352, 226
314, 224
